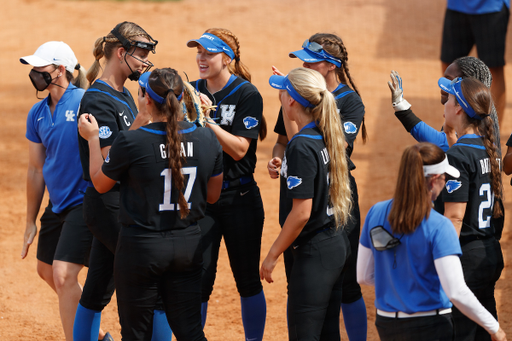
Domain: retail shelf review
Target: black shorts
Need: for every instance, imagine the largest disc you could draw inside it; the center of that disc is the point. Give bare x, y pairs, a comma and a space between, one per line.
428, 328
488, 31
64, 236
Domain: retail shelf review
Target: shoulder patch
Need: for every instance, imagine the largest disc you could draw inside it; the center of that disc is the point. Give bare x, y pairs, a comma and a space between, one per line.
105, 132
293, 182
350, 128
250, 122
453, 185
107, 160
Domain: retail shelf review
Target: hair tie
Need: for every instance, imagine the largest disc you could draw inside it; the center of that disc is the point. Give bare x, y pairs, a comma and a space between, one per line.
104, 39
77, 66
237, 59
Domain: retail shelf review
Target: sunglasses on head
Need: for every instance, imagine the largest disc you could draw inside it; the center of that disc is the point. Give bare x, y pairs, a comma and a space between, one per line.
318, 49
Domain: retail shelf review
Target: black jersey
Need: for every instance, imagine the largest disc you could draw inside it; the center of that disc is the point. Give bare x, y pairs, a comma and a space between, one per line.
239, 112
473, 186
351, 110
305, 175
138, 159
114, 111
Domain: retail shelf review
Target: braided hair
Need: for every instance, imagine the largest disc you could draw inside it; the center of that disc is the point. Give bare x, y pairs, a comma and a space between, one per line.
474, 67
333, 45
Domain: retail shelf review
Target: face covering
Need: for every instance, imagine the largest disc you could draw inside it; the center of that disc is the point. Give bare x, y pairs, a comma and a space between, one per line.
40, 80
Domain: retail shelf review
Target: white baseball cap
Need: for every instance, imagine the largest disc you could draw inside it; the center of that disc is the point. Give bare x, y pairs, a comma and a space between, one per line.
52, 52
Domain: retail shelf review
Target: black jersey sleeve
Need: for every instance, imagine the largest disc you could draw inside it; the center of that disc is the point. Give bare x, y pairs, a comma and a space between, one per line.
105, 113
351, 110
457, 190
118, 160
279, 128
509, 141
301, 170
408, 119
249, 111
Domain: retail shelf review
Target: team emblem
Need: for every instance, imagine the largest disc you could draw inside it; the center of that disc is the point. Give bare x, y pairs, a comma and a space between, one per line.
350, 128
105, 132
453, 185
293, 182
70, 115
250, 122
227, 113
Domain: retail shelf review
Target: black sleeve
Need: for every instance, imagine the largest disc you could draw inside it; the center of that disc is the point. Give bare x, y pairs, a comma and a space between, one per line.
279, 128
118, 158
351, 110
408, 119
509, 141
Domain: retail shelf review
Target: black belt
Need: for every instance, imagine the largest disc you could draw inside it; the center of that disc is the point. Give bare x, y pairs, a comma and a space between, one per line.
243, 180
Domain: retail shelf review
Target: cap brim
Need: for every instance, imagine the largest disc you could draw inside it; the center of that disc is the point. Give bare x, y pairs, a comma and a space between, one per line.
193, 43
277, 82
143, 79
208, 45
446, 85
305, 56
452, 171
34, 61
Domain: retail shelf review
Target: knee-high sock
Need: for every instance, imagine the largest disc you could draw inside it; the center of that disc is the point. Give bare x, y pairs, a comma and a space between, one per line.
254, 314
161, 329
87, 324
204, 310
354, 315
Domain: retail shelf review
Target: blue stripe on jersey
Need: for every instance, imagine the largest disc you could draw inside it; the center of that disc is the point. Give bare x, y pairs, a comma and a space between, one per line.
160, 132
344, 94
153, 131
470, 145
340, 86
114, 97
314, 137
232, 92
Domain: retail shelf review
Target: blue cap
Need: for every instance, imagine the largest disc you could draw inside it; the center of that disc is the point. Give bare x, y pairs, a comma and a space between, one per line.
283, 83
144, 83
453, 87
213, 44
313, 53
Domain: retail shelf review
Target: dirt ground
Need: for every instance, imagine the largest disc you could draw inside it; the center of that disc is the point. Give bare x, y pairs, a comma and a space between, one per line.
380, 35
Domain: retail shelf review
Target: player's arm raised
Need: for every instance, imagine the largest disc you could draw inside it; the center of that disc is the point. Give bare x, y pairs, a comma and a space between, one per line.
35, 192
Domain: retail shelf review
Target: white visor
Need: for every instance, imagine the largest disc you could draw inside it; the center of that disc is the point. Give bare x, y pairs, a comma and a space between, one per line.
441, 168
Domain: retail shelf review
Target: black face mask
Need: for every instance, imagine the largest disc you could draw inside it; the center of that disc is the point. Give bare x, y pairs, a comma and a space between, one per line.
40, 80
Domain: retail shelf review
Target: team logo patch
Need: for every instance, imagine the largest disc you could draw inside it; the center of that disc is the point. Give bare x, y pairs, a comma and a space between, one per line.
293, 182
453, 185
350, 128
107, 160
105, 132
250, 122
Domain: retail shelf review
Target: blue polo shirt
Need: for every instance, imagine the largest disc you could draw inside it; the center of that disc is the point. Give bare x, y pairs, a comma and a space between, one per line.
405, 276
477, 6
58, 133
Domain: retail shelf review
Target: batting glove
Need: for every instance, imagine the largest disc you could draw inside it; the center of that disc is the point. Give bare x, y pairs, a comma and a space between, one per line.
397, 92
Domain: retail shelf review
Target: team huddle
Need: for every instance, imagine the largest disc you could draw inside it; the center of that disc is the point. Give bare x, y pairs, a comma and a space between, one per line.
143, 195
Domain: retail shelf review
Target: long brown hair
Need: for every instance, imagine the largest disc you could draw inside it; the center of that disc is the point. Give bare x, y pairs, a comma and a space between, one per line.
333, 45
478, 96
236, 67
412, 201
169, 85
311, 85
105, 46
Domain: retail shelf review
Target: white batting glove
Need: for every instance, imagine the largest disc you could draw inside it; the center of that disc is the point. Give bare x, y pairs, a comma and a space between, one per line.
397, 92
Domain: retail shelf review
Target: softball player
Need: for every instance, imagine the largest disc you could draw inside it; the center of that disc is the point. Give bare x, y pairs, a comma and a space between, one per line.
410, 253
470, 201
165, 169
314, 204
64, 240
126, 50
238, 216
462, 67
327, 54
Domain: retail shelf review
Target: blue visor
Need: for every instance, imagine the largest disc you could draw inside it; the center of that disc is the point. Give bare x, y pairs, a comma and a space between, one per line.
212, 43
454, 88
313, 53
144, 83
283, 83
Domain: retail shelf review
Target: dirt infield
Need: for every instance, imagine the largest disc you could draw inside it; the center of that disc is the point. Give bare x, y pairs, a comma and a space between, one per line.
380, 35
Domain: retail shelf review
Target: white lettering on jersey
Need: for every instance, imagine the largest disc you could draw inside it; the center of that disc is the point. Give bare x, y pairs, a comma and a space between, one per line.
70, 115
227, 113
325, 156
284, 167
126, 121
485, 165
188, 151
163, 152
